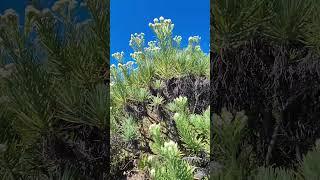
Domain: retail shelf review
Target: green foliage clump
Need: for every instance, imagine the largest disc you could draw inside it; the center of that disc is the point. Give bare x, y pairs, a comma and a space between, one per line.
54, 100
153, 124
284, 22
238, 161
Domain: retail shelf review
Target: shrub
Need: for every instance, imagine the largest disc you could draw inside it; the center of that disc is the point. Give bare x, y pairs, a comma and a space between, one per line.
54, 108
266, 62
161, 96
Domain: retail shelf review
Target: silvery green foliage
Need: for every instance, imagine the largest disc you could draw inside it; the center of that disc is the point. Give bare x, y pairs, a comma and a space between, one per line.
229, 129
308, 169
273, 173
129, 129
167, 163
175, 167
154, 64
194, 131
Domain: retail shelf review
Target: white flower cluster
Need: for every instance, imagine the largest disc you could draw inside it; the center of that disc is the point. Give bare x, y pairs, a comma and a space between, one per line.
32, 13
177, 39
150, 158
118, 56
194, 40
129, 64
197, 48
152, 43
9, 17
46, 12
60, 5
152, 47
162, 28
137, 41
176, 116
137, 55
170, 149
153, 172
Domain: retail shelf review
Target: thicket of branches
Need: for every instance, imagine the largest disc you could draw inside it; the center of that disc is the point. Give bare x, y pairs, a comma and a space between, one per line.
265, 60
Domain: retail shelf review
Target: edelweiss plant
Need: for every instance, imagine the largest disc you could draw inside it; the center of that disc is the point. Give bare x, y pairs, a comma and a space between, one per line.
173, 128
53, 95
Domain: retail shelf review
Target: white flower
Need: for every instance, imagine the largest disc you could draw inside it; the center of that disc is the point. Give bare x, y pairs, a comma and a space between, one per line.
10, 12
169, 144
176, 116
177, 39
46, 12
10, 16
31, 12
155, 20
137, 41
150, 158
137, 55
153, 172
59, 5
194, 41
197, 48
152, 126
171, 148
162, 29
129, 64
118, 56
152, 43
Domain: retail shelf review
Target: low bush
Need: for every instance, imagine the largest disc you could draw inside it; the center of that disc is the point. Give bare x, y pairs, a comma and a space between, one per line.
159, 107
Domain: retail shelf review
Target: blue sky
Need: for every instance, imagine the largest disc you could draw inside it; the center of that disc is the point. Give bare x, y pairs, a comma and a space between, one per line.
17, 5
20, 5
191, 17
